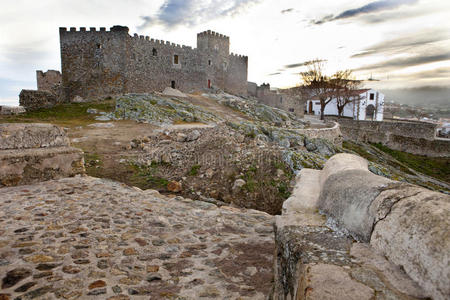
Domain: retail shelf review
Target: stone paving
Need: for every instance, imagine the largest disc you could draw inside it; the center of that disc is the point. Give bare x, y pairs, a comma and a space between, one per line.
91, 238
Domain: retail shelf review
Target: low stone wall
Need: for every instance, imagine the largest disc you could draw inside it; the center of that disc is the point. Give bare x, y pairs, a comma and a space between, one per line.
332, 133
375, 239
32, 100
31, 135
413, 137
11, 110
31, 153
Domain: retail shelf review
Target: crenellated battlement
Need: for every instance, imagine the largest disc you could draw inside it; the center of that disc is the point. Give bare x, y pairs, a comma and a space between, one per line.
234, 55
159, 42
116, 28
130, 62
212, 34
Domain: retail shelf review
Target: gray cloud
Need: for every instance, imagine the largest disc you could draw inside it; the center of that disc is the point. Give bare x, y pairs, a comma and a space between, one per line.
402, 43
273, 74
192, 12
288, 10
301, 64
406, 62
372, 7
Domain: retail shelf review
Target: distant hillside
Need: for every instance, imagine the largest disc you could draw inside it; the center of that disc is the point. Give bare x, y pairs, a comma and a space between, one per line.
422, 96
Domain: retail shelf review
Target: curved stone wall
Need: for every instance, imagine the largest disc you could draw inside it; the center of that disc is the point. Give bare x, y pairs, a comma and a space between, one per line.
406, 224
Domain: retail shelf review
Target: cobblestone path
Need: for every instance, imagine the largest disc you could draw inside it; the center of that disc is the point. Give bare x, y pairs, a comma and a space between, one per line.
91, 238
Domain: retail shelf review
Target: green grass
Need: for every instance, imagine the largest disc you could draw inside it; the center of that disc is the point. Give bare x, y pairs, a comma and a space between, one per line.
437, 167
373, 157
145, 176
194, 170
67, 114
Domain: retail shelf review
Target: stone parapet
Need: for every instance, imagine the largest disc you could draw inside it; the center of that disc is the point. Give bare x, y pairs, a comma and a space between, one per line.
412, 137
374, 238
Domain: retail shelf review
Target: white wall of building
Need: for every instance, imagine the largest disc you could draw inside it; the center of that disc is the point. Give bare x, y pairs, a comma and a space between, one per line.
355, 110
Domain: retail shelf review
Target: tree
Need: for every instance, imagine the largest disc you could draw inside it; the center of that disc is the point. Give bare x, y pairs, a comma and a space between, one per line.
318, 84
347, 89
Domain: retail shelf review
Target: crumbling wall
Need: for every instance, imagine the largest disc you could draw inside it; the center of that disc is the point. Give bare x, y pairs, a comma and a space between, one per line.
402, 249
48, 81
33, 152
279, 100
32, 100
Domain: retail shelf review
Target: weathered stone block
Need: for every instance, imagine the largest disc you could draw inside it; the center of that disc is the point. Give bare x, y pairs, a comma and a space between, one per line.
415, 235
34, 165
31, 135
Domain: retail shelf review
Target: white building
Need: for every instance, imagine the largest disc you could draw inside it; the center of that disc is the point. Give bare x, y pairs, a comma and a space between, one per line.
368, 104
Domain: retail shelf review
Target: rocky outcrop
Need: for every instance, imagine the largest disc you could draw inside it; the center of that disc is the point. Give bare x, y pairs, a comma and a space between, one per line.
31, 153
376, 238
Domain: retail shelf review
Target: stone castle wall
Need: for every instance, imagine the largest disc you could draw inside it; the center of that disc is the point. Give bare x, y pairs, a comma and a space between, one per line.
278, 100
413, 137
98, 63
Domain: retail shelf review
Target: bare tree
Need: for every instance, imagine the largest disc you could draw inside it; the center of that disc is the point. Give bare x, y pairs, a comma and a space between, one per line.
318, 84
418, 113
346, 91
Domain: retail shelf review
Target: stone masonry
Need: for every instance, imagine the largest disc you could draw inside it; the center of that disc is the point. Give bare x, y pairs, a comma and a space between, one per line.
90, 238
31, 153
97, 63
33, 100
414, 137
48, 81
374, 238
283, 101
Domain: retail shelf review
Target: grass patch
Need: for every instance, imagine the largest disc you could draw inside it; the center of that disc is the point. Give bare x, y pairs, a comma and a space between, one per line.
147, 178
437, 167
194, 170
376, 157
66, 114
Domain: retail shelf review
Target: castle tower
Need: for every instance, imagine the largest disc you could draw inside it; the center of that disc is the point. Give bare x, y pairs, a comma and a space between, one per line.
212, 41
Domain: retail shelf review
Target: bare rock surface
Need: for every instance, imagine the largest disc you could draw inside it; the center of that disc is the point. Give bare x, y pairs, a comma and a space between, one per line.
168, 91
90, 238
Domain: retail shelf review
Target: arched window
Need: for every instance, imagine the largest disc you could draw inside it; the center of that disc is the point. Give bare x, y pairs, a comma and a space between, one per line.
154, 52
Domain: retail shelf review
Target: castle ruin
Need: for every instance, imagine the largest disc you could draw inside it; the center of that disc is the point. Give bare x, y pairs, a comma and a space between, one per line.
96, 63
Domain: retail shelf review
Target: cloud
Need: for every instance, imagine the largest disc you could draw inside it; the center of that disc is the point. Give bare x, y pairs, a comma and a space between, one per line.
273, 74
406, 62
402, 43
288, 10
192, 12
372, 7
302, 64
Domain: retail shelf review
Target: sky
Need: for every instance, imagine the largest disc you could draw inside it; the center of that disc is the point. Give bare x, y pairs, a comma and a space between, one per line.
398, 43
